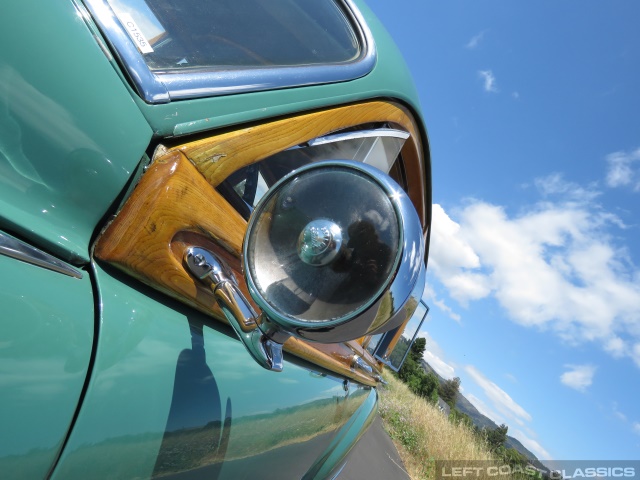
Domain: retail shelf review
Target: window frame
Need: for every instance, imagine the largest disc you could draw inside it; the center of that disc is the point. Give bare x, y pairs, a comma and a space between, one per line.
163, 87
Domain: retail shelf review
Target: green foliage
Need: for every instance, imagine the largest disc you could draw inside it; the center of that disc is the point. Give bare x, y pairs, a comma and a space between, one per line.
427, 385
497, 437
456, 416
418, 348
403, 431
419, 382
513, 457
433, 396
449, 391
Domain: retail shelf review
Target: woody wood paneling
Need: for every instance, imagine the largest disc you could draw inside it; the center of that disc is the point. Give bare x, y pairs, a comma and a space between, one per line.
172, 208
219, 156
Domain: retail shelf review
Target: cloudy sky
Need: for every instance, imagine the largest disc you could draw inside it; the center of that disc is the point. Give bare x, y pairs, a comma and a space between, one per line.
533, 113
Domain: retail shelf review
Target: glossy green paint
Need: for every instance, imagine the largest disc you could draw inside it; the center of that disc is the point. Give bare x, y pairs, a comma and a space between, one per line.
390, 79
174, 391
70, 133
171, 390
334, 457
46, 334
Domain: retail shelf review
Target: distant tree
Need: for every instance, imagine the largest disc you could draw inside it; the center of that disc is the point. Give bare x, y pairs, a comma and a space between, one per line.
418, 348
412, 363
449, 391
429, 387
409, 368
419, 382
433, 396
413, 382
497, 437
513, 457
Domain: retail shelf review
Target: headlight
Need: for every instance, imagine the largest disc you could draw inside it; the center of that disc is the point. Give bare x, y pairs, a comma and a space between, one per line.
333, 251
322, 265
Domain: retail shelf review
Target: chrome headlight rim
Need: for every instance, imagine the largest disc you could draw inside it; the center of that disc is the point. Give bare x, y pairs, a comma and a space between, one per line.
406, 265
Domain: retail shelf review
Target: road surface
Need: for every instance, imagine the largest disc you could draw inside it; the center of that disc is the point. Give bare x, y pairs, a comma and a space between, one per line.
374, 458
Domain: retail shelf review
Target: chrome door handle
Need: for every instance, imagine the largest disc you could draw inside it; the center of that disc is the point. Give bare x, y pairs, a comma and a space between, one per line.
265, 350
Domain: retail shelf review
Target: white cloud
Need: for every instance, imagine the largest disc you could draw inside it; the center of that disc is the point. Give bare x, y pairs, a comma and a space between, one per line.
636, 354
617, 413
511, 377
555, 184
616, 347
532, 445
489, 80
446, 309
434, 356
453, 260
500, 399
636, 427
515, 95
475, 40
578, 377
552, 266
430, 298
485, 410
623, 169
504, 410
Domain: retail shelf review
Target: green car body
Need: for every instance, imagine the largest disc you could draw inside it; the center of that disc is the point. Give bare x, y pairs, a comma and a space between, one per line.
101, 376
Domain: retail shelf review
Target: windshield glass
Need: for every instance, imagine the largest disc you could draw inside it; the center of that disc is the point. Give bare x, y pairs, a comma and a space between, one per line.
177, 35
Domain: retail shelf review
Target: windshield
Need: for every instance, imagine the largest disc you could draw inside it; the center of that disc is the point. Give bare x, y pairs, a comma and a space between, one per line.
178, 35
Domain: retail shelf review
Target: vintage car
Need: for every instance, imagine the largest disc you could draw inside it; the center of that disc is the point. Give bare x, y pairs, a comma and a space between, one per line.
214, 218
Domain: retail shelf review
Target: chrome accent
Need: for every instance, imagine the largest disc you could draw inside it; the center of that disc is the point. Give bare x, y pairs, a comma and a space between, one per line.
319, 242
164, 87
14, 248
380, 380
378, 147
264, 342
147, 84
358, 362
392, 306
341, 137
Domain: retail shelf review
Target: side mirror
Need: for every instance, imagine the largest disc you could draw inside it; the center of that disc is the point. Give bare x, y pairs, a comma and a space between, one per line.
392, 347
332, 252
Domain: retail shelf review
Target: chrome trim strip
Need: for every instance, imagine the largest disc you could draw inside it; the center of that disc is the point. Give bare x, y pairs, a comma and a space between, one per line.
341, 137
162, 87
14, 248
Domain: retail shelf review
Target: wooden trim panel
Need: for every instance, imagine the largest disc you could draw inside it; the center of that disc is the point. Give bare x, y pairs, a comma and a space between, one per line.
219, 156
176, 206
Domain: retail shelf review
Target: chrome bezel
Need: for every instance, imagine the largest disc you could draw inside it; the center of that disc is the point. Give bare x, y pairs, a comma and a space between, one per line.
392, 296
163, 87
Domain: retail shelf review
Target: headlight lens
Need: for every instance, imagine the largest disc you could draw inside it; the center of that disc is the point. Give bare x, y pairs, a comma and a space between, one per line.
319, 256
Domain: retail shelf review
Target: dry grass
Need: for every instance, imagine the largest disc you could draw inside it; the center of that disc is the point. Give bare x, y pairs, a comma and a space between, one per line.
423, 434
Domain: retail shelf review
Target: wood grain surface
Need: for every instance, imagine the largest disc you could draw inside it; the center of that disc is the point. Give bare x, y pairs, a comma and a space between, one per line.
219, 156
175, 206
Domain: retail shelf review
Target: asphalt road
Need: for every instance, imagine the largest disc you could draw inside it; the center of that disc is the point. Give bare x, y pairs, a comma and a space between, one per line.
374, 457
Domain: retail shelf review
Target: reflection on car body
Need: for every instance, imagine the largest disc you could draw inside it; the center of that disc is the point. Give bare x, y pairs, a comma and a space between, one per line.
214, 226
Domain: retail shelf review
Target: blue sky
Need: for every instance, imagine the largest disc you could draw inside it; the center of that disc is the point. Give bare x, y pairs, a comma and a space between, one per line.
533, 113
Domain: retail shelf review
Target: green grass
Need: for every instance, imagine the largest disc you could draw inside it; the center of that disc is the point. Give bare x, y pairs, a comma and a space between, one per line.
423, 434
